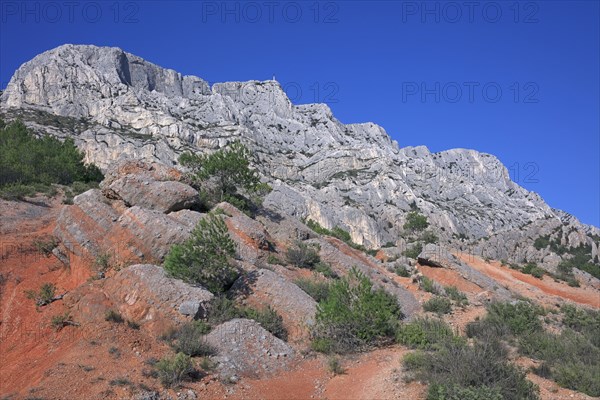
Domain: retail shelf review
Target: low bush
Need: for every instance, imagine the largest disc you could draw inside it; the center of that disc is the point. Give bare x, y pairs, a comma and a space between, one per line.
423, 333
204, 258
335, 366
326, 270
457, 370
507, 318
222, 309
113, 316
533, 269
458, 297
571, 358
45, 294
429, 285
317, 289
268, 319
303, 255
172, 371
402, 271
414, 251
438, 304
189, 339
355, 316
46, 245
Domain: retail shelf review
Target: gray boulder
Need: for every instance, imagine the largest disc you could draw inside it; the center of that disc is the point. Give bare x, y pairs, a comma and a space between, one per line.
244, 348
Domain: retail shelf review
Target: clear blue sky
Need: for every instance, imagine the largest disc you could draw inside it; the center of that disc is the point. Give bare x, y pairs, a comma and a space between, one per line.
401, 64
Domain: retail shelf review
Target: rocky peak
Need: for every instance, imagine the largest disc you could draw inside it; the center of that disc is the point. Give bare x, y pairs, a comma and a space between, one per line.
118, 106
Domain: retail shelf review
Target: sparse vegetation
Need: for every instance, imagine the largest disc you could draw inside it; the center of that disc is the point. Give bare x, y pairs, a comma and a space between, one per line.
303, 255
204, 258
415, 222
402, 271
335, 366
44, 296
457, 370
268, 319
30, 165
317, 289
414, 251
354, 316
189, 339
61, 320
46, 245
429, 285
226, 175
458, 297
438, 304
172, 371
423, 333
113, 316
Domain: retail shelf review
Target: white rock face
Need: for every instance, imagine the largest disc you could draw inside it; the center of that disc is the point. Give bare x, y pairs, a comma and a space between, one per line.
116, 106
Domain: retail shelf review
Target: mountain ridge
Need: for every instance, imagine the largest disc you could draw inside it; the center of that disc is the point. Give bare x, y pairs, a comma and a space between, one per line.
349, 175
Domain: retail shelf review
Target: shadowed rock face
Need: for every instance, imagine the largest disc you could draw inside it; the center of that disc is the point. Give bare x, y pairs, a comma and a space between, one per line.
119, 106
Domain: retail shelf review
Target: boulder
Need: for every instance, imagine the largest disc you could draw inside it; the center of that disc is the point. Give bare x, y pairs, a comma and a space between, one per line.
144, 291
163, 196
244, 348
263, 287
153, 232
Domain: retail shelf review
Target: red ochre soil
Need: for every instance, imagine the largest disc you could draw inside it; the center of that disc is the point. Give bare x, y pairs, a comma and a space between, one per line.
86, 361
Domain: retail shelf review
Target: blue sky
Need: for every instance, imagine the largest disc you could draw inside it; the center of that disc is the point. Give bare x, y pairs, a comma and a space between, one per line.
519, 80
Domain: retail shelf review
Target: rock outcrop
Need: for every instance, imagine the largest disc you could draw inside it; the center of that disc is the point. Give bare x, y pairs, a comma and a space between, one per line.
117, 106
145, 290
246, 349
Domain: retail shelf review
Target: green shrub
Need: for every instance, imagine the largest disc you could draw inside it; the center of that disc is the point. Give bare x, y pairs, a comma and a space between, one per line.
542, 242
423, 333
402, 271
29, 164
189, 339
60, 321
273, 259
569, 358
458, 370
46, 245
438, 304
172, 371
428, 237
302, 255
325, 269
429, 285
113, 316
268, 319
225, 175
519, 318
415, 222
335, 366
317, 289
204, 258
533, 269
458, 297
354, 316
455, 392
322, 345
44, 296
222, 309
414, 251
